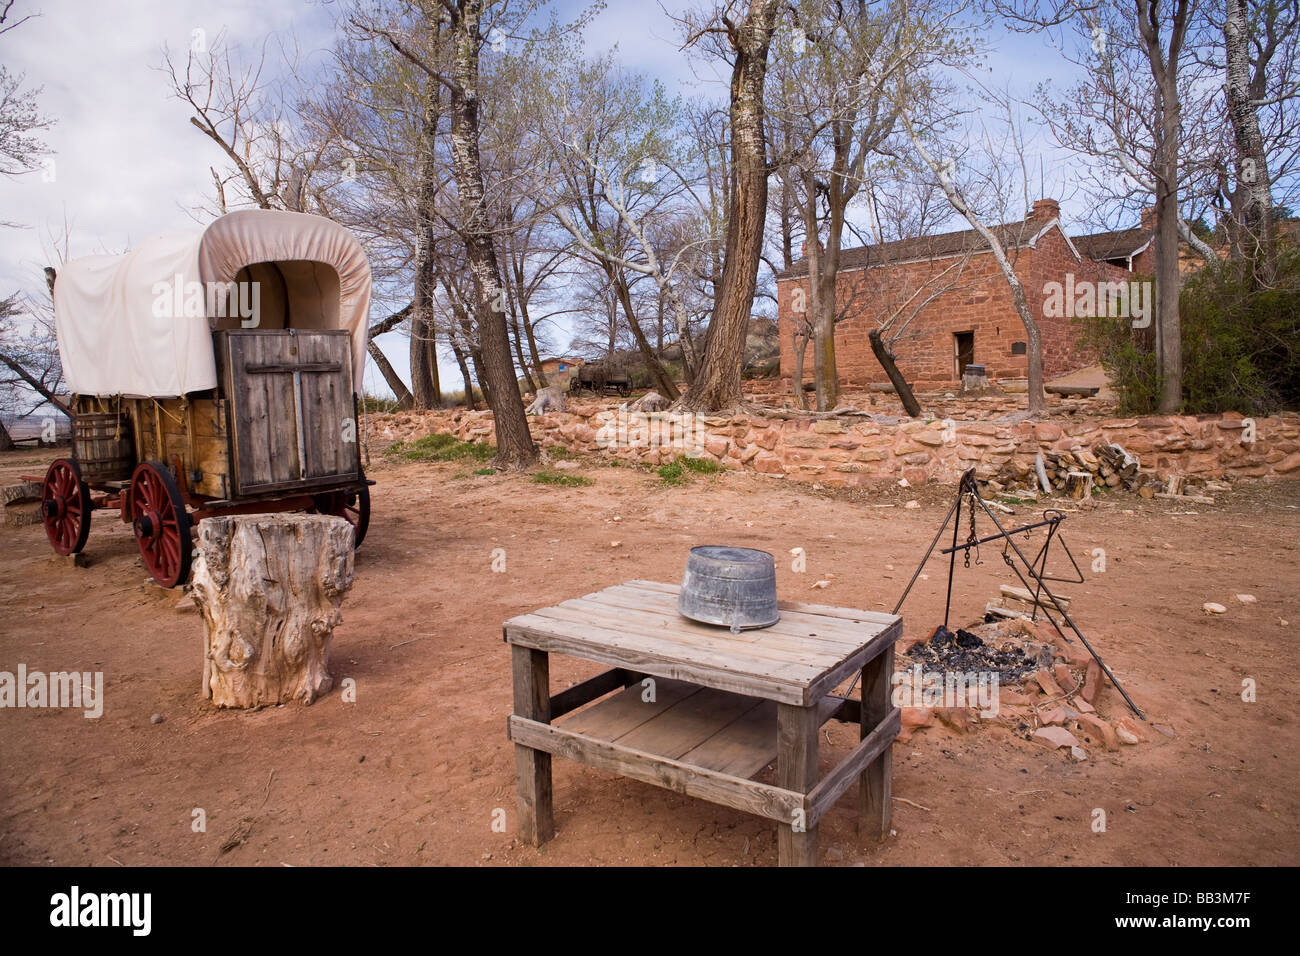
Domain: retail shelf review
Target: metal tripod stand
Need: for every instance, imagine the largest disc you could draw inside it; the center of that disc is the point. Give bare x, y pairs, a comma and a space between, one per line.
1026, 570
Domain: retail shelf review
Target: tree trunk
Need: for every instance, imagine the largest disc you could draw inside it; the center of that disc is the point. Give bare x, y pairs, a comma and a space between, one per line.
424, 356
403, 394
1166, 125
6, 442
464, 376
269, 588
528, 330
1253, 198
717, 385
800, 353
515, 448
886, 360
517, 339
664, 383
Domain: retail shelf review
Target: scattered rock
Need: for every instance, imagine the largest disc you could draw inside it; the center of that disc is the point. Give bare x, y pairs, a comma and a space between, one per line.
1078, 754
955, 717
1091, 683
1124, 727
1164, 729
156, 719
1048, 684
1054, 717
1055, 737
566, 464
1100, 729
1246, 598
1063, 676
1209, 607
912, 504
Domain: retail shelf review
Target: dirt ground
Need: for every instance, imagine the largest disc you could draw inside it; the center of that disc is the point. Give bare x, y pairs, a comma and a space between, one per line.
413, 771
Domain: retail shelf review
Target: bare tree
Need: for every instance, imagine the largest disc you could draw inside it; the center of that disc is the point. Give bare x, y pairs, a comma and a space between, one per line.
1133, 96
837, 70
739, 32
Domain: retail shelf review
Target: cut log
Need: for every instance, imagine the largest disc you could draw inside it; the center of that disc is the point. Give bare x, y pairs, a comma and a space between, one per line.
1078, 484
24, 492
269, 587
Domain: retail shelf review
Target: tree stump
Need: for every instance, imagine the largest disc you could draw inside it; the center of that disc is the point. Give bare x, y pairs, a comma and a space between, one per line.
269, 587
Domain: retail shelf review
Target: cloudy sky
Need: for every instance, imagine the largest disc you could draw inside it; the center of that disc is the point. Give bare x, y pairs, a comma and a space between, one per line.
127, 164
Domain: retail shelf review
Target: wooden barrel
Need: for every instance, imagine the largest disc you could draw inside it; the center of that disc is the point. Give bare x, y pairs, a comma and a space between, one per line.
103, 447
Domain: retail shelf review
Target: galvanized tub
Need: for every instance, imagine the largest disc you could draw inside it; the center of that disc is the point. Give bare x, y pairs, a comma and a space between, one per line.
730, 587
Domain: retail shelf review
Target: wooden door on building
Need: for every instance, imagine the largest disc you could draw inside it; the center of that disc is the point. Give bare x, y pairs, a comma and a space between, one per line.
291, 408
963, 344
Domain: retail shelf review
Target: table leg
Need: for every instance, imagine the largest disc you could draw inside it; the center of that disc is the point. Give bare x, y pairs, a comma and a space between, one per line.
532, 684
875, 788
796, 769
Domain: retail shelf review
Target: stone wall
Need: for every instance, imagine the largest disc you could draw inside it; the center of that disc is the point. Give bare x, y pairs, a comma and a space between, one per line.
858, 451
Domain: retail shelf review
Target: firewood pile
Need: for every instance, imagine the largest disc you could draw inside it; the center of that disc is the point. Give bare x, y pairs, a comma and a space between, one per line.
1077, 472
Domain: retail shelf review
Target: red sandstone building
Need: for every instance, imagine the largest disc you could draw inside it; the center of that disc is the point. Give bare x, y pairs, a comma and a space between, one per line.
956, 305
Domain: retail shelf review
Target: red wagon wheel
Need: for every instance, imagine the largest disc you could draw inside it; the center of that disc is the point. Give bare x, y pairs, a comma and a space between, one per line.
353, 505
161, 523
65, 507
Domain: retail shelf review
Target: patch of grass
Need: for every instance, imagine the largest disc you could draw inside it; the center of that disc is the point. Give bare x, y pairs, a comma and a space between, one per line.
679, 470
672, 473
561, 479
702, 466
485, 471
560, 453
443, 447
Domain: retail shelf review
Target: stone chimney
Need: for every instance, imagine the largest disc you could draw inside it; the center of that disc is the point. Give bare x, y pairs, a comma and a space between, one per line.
1045, 210
1148, 219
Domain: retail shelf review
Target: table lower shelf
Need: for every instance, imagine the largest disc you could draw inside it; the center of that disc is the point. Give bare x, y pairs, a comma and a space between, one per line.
711, 729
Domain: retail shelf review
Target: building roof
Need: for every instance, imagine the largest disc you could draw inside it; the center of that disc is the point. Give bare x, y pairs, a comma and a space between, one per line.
1119, 244
1100, 246
1012, 235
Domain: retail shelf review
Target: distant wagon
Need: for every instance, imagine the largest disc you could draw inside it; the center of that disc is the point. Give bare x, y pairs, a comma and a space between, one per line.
601, 379
212, 373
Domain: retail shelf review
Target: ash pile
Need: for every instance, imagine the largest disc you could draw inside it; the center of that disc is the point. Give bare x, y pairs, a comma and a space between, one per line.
988, 651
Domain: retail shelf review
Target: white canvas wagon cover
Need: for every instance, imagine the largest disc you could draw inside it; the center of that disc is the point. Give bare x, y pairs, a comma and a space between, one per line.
140, 324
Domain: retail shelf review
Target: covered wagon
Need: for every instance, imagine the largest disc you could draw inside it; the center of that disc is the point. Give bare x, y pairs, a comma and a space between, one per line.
212, 372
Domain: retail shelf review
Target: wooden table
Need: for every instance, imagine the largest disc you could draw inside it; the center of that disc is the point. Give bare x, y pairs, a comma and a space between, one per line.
700, 710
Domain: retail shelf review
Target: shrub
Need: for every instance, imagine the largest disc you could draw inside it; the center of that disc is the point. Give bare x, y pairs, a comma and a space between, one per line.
1240, 342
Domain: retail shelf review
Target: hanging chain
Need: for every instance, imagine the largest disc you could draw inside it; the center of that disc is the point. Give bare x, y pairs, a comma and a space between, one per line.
971, 538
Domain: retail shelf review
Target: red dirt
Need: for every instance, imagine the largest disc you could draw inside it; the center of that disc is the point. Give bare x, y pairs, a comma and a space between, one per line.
412, 772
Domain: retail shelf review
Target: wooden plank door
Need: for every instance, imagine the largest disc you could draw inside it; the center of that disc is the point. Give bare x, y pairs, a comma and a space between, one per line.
291, 409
